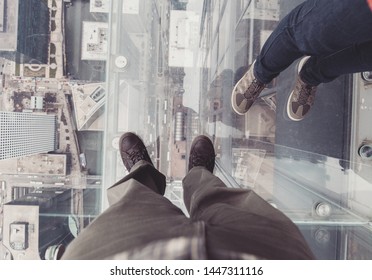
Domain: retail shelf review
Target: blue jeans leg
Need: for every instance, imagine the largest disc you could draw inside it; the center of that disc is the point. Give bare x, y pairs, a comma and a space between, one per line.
318, 28
356, 58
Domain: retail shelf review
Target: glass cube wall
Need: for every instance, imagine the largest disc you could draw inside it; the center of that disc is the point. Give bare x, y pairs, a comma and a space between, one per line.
165, 70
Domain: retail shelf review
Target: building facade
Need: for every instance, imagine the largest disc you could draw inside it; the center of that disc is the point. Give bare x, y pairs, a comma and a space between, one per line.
24, 134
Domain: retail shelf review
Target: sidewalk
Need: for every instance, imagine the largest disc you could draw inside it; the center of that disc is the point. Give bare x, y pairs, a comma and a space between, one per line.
56, 61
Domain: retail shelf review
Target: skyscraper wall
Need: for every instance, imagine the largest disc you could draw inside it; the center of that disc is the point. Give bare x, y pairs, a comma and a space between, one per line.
24, 134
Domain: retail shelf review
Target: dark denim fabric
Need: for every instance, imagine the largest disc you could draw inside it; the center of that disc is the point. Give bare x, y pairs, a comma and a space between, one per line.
337, 34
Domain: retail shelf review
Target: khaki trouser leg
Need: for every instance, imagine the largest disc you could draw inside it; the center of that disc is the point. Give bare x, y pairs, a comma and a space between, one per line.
138, 214
239, 220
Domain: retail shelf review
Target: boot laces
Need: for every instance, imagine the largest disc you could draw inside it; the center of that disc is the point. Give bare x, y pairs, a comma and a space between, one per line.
305, 93
137, 155
253, 90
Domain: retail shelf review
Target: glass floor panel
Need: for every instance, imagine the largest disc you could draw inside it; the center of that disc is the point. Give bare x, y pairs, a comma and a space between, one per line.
165, 70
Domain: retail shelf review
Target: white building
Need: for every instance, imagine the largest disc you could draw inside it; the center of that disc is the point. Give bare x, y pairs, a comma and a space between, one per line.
183, 38
99, 6
24, 134
94, 41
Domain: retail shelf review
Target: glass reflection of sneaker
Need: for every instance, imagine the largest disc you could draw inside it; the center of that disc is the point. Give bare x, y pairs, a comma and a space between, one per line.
301, 98
245, 92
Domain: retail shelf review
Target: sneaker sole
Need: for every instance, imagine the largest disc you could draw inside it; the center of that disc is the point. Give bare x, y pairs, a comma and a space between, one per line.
301, 63
289, 109
232, 96
299, 67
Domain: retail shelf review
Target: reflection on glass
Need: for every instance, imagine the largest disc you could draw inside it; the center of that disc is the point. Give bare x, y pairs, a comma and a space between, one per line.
165, 70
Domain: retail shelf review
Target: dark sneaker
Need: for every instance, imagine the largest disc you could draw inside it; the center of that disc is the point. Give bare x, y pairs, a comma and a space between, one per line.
301, 98
246, 92
202, 153
132, 150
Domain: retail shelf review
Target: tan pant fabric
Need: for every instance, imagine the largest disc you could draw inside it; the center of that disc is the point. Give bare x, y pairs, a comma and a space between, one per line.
234, 220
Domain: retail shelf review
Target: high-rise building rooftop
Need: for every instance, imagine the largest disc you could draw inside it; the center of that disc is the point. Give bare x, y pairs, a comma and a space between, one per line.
23, 134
